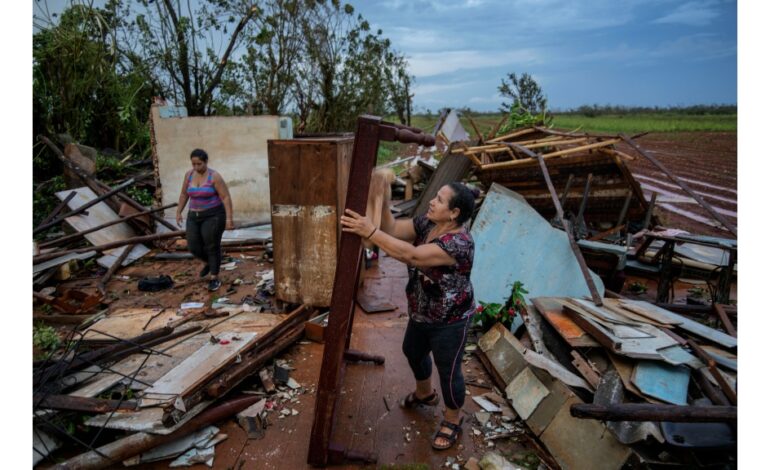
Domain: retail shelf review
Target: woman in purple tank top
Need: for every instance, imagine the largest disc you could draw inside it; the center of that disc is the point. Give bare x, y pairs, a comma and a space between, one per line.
210, 213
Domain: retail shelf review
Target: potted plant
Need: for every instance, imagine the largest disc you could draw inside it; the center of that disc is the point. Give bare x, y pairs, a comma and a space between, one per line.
487, 314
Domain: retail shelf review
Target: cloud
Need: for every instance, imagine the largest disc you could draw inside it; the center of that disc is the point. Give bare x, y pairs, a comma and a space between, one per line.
698, 13
426, 64
412, 39
494, 99
696, 47
437, 88
692, 48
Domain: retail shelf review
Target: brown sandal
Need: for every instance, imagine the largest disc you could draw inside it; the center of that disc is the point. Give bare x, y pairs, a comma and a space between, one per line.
451, 437
411, 400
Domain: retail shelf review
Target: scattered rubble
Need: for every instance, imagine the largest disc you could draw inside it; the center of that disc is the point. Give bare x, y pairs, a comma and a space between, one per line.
587, 378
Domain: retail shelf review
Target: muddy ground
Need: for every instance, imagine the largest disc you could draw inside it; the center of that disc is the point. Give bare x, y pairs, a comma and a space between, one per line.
706, 161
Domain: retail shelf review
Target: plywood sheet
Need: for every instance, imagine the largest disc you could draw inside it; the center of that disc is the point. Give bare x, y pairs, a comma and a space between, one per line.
99, 214
201, 365
128, 323
551, 309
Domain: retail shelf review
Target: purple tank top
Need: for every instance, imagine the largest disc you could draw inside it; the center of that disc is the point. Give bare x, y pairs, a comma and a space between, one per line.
205, 196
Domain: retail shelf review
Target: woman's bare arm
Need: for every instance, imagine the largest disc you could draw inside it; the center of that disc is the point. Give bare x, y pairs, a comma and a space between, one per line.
224, 194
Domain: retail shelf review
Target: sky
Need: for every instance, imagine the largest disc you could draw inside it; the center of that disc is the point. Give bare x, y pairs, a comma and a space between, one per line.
620, 52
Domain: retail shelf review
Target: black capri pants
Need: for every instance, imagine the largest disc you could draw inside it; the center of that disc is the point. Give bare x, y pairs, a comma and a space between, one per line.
204, 235
446, 342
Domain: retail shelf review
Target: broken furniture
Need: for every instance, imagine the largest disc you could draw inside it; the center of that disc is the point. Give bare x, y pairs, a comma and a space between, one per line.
596, 189
669, 266
308, 185
322, 449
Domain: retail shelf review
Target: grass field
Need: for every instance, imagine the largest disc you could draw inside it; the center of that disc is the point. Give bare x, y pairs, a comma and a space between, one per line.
631, 123
628, 123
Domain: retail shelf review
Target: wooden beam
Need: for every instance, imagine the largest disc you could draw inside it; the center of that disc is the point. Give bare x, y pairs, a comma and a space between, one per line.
560, 214
101, 286
517, 133
655, 412
720, 310
476, 129
83, 404
606, 233
128, 241
560, 153
85, 206
57, 209
731, 395
75, 236
494, 130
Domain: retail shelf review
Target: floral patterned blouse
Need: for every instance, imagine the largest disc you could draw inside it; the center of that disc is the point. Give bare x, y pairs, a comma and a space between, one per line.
441, 294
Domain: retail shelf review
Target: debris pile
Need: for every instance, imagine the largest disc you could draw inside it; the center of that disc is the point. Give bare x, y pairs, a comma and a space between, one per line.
583, 375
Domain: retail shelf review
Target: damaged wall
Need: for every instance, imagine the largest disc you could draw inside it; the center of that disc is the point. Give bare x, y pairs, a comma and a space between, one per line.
237, 148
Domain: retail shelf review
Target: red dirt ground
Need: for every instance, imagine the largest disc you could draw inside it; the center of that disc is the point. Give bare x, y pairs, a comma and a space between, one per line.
708, 164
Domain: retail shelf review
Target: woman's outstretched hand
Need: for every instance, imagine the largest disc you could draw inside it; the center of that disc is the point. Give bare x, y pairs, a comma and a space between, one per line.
355, 223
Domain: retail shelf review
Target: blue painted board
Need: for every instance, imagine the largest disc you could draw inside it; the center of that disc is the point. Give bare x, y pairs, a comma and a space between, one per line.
662, 381
515, 243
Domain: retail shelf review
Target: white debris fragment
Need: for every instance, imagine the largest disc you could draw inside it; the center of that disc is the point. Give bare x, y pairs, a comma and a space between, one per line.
292, 384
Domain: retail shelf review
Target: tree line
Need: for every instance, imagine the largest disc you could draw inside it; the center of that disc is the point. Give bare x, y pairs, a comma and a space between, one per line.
96, 69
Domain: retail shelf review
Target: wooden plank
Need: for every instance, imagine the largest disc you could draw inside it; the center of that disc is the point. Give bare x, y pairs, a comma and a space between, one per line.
125, 323
511, 135
551, 309
595, 329
560, 153
646, 308
585, 369
615, 307
340, 324
639, 341
199, 367
720, 309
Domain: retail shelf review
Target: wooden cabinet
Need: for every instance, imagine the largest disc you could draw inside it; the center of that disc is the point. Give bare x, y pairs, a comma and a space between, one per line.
308, 185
